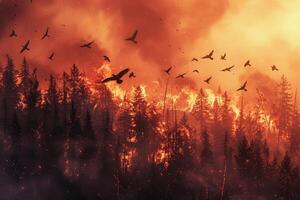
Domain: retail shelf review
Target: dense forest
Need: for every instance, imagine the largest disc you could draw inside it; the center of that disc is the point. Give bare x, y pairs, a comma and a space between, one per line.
74, 140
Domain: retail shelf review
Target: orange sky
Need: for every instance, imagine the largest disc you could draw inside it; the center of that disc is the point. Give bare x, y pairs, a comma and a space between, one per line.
171, 33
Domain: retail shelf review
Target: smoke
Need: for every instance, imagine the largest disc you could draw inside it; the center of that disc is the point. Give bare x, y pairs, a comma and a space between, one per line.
167, 30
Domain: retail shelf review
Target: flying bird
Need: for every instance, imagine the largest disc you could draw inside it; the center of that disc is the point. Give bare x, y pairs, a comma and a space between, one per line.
51, 56
87, 45
209, 56
46, 34
243, 88
274, 68
132, 75
208, 79
223, 57
116, 77
195, 59
181, 75
132, 38
13, 33
25, 47
247, 63
168, 70
106, 58
196, 71
227, 69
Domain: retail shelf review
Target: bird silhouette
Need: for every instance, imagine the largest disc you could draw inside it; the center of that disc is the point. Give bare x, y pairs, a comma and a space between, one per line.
25, 47
168, 70
116, 77
106, 58
181, 75
243, 87
132, 75
195, 59
247, 63
51, 56
209, 56
227, 69
46, 34
208, 79
223, 57
87, 45
274, 68
196, 71
13, 33
132, 38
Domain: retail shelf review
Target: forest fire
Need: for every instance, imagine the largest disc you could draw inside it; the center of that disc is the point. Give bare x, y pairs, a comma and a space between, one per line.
126, 100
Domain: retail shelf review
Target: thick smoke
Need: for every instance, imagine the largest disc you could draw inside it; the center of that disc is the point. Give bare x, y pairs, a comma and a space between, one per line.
167, 29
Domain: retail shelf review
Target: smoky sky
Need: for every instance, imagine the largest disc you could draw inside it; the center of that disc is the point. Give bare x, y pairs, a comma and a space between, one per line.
166, 29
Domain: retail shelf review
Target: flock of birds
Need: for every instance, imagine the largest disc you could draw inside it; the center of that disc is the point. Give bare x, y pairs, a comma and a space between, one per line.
133, 39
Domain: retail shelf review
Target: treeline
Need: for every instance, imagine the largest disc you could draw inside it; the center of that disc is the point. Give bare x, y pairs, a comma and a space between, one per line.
90, 146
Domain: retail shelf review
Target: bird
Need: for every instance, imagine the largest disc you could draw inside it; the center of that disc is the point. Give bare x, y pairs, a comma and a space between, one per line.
106, 58
274, 68
168, 70
223, 57
180, 75
51, 56
87, 45
46, 34
13, 33
116, 77
132, 38
243, 87
209, 56
227, 69
132, 75
196, 71
195, 59
25, 47
247, 63
208, 79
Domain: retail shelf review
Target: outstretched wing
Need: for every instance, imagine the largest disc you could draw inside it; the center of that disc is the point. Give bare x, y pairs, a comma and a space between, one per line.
211, 53
134, 34
109, 79
122, 73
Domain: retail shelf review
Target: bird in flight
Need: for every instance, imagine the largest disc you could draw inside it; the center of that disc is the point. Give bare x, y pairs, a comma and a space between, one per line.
116, 77
274, 68
181, 75
106, 58
208, 80
46, 34
195, 59
227, 69
87, 45
247, 63
196, 71
168, 70
13, 33
243, 87
209, 56
223, 57
132, 38
132, 75
51, 56
25, 47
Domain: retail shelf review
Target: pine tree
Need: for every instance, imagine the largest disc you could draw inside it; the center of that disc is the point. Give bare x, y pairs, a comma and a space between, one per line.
284, 108
206, 152
201, 110
243, 158
285, 178
25, 78
10, 96
295, 129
